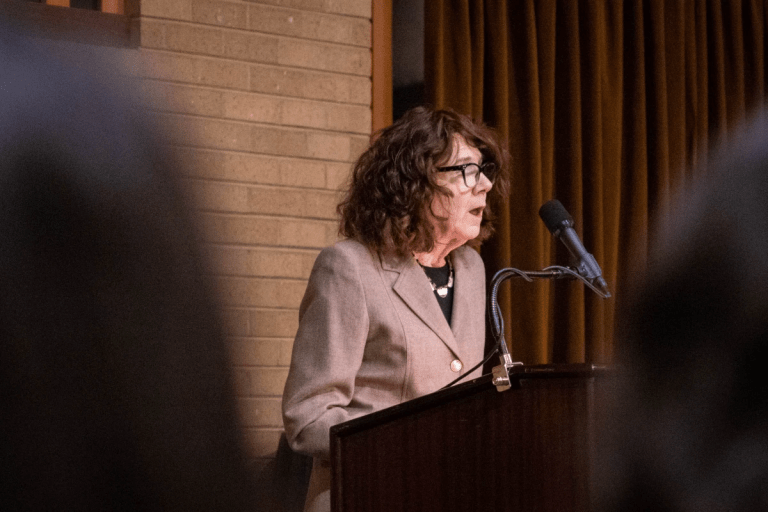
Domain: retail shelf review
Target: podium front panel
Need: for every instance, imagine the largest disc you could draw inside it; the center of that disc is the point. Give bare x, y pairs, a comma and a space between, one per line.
472, 448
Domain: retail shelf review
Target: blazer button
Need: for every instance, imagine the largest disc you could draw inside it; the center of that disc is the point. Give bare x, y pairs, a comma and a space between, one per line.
456, 366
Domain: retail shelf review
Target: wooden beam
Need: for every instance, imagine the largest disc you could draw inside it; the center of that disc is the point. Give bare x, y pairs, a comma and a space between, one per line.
113, 6
77, 25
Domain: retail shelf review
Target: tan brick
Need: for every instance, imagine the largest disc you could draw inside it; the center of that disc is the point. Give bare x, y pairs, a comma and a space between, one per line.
357, 146
171, 9
303, 143
311, 84
333, 235
286, 353
222, 73
208, 132
258, 292
261, 412
262, 442
250, 47
152, 33
261, 351
225, 14
194, 39
331, 116
240, 229
314, 204
338, 177
261, 323
246, 167
324, 56
175, 67
254, 352
259, 230
251, 382
279, 141
351, 7
306, 114
241, 167
329, 146
182, 99
310, 25
221, 197
253, 107
294, 112
316, 234
273, 323
303, 172
306, 173
275, 235
260, 261
163, 65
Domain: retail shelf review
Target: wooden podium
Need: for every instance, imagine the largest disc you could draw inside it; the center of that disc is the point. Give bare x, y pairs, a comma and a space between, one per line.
471, 447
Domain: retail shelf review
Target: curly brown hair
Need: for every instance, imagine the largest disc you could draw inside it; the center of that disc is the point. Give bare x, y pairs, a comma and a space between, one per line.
388, 200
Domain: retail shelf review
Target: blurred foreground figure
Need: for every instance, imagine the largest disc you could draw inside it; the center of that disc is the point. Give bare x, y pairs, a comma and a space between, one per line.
691, 420
115, 391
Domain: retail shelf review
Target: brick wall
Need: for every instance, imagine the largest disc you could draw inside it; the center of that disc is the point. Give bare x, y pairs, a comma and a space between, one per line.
274, 97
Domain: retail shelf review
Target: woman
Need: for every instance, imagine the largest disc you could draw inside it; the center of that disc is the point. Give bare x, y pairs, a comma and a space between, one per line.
397, 309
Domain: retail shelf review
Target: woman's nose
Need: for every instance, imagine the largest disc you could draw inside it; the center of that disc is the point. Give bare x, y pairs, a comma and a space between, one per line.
483, 183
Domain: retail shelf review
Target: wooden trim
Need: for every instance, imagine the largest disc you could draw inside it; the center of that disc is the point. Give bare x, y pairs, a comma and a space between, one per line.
381, 56
63, 23
113, 6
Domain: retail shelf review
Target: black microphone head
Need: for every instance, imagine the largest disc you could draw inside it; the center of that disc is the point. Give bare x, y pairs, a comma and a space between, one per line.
554, 215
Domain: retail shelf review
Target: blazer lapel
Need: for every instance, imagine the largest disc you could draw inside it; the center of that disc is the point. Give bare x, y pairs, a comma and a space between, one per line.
413, 287
461, 323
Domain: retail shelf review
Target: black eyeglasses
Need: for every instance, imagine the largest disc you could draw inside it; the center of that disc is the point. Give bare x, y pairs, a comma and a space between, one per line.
471, 172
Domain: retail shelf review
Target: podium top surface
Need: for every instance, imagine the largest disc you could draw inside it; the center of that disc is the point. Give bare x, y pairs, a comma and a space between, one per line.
479, 385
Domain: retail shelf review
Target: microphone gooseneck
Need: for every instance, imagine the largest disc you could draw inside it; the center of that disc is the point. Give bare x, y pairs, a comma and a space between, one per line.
560, 224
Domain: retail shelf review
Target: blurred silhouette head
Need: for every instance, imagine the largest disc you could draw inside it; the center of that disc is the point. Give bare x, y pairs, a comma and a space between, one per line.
692, 413
115, 391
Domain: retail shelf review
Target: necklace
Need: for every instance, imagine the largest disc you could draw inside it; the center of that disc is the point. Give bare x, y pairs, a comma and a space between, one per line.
442, 291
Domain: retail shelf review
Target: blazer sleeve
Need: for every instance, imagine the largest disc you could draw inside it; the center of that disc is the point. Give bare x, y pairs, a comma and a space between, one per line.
327, 352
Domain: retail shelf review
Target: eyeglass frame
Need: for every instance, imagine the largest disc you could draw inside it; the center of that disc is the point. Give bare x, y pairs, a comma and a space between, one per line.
480, 169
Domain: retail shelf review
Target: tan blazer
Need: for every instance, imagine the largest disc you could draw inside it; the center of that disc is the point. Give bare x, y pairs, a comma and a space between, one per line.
372, 335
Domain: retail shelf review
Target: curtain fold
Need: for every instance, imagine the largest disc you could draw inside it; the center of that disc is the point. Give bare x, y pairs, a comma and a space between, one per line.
610, 107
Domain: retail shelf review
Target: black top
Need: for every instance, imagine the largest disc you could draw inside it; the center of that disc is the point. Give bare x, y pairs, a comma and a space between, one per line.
440, 276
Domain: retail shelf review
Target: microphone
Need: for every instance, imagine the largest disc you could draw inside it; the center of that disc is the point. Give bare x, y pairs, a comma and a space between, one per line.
560, 224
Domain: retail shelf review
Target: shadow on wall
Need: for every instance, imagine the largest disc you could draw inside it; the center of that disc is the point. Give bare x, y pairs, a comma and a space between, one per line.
284, 481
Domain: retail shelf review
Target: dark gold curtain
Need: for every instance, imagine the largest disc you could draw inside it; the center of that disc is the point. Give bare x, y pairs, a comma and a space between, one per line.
609, 106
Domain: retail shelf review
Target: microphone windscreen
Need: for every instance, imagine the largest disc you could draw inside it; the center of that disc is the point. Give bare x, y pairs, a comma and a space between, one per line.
553, 213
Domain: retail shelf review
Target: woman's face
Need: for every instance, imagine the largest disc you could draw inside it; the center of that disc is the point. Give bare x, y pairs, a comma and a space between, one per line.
457, 218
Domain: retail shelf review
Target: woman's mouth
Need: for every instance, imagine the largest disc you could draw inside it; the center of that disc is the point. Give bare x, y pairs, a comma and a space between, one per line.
477, 212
